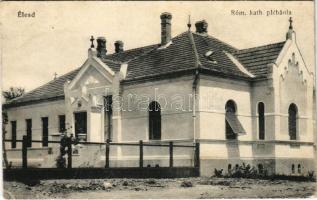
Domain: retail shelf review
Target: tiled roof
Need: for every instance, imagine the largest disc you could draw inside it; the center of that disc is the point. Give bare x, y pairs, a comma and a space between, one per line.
186, 49
256, 59
179, 55
222, 63
127, 55
186, 52
55, 88
50, 90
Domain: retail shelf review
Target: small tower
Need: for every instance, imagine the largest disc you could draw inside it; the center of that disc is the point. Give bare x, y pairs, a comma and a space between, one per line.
290, 35
92, 51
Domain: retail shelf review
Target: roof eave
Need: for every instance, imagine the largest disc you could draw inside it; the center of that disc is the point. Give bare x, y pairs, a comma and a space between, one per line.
32, 102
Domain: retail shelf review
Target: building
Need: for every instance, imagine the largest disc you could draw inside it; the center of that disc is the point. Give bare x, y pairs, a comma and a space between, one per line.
239, 104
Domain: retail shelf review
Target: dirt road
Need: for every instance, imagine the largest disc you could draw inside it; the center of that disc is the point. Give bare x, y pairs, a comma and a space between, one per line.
187, 188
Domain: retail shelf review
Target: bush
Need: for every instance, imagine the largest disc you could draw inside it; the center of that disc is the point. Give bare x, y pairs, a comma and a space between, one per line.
61, 160
218, 173
246, 171
311, 175
240, 171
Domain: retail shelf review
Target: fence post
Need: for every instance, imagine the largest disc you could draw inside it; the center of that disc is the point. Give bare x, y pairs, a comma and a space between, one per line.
141, 154
107, 152
197, 151
69, 152
171, 154
24, 152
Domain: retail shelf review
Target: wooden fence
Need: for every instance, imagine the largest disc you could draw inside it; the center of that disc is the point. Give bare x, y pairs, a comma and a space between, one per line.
26, 143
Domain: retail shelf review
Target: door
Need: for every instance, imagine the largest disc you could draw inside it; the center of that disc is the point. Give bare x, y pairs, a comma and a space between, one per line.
81, 125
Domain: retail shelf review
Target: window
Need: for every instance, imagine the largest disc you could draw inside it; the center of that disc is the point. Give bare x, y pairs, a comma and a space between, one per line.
61, 123
154, 121
81, 125
261, 121
44, 131
229, 167
299, 168
292, 121
260, 168
108, 117
14, 134
293, 168
29, 131
233, 125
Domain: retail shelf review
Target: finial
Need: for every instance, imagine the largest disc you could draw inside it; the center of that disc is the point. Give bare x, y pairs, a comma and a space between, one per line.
189, 23
55, 75
290, 23
92, 42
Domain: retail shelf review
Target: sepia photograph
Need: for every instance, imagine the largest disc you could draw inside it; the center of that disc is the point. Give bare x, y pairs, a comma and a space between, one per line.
158, 99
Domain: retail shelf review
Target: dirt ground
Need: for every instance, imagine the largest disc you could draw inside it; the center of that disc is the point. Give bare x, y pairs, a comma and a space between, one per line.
182, 188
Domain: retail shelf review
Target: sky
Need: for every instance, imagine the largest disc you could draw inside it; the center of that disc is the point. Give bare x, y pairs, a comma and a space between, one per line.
56, 40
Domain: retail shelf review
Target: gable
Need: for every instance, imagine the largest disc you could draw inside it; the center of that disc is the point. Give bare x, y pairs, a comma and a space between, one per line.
291, 63
92, 78
92, 74
294, 80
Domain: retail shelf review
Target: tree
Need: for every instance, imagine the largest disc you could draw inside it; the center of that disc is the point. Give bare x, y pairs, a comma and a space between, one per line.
13, 93
8, 95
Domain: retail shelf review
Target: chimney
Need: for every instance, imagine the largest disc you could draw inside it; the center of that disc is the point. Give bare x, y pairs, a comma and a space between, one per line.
118, 46
165, 28
201, 26
101, 47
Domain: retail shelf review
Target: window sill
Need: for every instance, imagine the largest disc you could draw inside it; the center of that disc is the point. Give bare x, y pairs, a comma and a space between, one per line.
30, 148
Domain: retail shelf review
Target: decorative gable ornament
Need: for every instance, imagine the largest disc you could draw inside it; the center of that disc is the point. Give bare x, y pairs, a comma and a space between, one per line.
91, 80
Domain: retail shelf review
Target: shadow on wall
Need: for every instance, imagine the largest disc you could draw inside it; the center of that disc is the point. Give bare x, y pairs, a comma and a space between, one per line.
264, 151
233, 149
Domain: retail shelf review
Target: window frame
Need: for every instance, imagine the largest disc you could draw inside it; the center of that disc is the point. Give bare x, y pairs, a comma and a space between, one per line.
59, 123
29, 131
155, 119
261, 121
45, 131
293, 121
13, 136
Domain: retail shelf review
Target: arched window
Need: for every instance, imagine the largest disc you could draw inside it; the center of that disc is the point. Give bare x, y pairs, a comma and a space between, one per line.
292, 121
293, 168
229, 167
154, 121
261, 121
260, 168
299, 168
233, 125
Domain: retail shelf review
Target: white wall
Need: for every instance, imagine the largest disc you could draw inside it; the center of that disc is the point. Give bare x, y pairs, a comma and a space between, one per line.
214, 94
176, 109
35, 112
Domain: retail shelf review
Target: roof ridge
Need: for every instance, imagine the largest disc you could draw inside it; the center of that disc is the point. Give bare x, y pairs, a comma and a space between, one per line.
194, 48
151, 50
142, 54
137, 48
212, 37
129, 50
112, 61
256, 47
